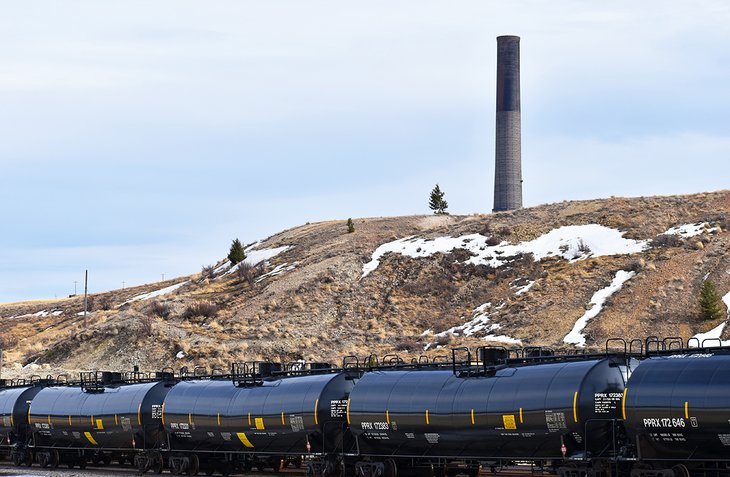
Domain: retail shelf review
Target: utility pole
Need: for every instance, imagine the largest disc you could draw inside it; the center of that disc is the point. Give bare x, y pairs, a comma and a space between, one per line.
123, 284
75, 282
86, 295
163, 277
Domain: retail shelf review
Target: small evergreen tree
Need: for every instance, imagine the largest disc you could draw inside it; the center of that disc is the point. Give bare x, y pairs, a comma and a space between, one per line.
436, 201
711, 306
350, 226
236, 254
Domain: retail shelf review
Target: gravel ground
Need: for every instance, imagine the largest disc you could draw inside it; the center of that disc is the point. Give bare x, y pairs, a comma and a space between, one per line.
10, 470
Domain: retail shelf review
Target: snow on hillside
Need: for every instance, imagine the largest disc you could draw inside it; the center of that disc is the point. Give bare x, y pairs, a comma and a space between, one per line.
254, 257
576, 335
479, 322
156, 293
690, 230
715, 333
571, 242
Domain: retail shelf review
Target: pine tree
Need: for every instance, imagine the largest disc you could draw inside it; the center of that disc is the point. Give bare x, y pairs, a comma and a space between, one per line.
236, 254
711, 306
350, 226
436, 201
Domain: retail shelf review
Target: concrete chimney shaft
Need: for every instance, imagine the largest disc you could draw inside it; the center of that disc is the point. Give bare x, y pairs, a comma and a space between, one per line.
508, 148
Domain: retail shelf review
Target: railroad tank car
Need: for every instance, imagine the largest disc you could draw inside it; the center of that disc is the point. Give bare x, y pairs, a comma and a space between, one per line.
541, 412
14, 402
234, 424
99, 422
677, 412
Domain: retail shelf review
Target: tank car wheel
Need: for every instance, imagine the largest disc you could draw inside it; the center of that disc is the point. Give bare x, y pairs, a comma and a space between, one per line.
194, 466
391, 469
55, 459
82, 463
18, 459
275, 463
680, 470
29, 460
158, 465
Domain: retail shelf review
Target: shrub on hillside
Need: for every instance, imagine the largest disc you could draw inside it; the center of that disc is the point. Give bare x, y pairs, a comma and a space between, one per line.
236, 254
207, 271
205, 309
160, 309
711, 306
350, 226
249, 273
666, 240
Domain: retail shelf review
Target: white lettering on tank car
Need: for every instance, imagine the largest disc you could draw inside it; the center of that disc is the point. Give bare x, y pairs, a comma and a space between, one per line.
654, 422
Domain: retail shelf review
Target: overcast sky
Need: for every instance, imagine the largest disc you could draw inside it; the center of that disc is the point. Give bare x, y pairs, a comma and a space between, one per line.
139, 138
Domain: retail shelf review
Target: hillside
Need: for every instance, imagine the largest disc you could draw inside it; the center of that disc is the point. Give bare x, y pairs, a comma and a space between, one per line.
561, 275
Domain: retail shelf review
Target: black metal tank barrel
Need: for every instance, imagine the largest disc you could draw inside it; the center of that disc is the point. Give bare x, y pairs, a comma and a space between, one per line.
281, 416
678, 407
522, 412
113, 417
14, 403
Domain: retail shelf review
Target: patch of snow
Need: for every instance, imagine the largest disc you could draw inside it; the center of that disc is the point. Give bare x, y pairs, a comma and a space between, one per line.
576, 335
278, 270
690, 230
254, 257
225, 265
41, 313
81, 313
427, 332
480, 322
156, 293
57, 313
180, 355
503, 339
571, 242
524, 288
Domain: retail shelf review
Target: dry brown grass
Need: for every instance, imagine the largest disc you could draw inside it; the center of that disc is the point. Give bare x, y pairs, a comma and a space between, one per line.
322, 310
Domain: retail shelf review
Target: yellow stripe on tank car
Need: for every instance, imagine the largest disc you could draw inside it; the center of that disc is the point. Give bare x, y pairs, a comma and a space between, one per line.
29, 414
686, 409
242, 437
347, 411
520, 415
139, 414
472, 417
427, 417
91, 438
163, 413
219, 419
49, 419
316, 405
387, 416
575, 406
116, 420
100, 424
92, 421
623, 404
282, 419
69, 422
249, 418
12, 421
190, 418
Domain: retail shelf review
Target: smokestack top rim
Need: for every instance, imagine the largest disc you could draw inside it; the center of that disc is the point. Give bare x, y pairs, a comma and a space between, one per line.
508, 38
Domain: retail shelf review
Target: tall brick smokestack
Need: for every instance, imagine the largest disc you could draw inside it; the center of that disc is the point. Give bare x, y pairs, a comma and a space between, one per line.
508, 150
